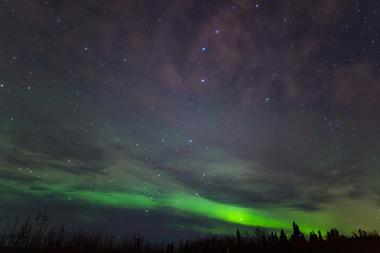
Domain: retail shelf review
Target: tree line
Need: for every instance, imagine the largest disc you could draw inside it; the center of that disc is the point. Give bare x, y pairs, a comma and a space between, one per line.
35, 235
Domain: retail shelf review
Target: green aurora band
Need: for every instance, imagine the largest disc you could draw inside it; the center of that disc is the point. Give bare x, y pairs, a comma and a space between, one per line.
50, 179
186, 203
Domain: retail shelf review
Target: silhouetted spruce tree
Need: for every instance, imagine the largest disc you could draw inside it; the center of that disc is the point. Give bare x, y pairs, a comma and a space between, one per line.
273, 237
313, 237
170, 248
238, 236
320, 237
283, 237
362, 233
333, 235
297, 235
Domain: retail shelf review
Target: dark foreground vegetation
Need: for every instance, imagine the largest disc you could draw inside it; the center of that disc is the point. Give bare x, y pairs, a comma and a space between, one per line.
35, 235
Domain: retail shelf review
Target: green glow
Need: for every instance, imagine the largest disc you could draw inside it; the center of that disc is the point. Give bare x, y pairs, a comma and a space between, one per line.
117, 199
129, 184
188, 204
220, 211
247, 133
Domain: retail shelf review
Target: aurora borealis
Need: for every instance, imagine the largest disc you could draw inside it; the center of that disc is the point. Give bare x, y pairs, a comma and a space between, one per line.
175, 118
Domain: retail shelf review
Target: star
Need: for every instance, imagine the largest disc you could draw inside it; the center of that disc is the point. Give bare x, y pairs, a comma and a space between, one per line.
216, 111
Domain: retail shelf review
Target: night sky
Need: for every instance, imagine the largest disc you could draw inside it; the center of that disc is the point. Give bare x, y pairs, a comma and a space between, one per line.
187, 117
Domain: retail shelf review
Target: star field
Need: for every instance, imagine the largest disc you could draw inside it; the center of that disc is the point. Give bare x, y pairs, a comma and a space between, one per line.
188, 117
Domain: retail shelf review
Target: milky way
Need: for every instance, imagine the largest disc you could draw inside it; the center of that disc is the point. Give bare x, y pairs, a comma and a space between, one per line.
187, 117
